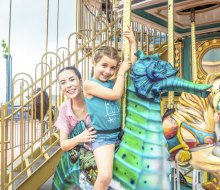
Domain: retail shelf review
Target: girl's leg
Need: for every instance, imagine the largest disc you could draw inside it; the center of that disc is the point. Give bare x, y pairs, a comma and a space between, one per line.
104, 160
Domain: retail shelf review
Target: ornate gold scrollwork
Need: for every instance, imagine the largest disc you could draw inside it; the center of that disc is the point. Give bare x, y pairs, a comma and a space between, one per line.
205, 66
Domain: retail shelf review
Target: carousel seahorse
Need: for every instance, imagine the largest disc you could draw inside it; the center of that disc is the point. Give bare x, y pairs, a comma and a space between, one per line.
141, 161
193, 122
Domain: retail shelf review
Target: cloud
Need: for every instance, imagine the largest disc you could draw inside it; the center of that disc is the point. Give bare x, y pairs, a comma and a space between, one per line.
28, 30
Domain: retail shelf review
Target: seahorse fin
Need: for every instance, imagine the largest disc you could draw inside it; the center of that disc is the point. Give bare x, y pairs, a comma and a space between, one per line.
140, 54
155, 56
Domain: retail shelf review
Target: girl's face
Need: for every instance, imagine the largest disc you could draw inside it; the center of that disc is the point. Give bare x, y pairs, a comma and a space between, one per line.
70, 84
105, 69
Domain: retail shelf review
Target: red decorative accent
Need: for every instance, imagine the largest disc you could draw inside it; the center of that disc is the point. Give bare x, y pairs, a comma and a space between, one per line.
170, 127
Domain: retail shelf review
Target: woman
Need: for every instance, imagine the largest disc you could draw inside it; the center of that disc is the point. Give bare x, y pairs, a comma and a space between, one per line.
75, 129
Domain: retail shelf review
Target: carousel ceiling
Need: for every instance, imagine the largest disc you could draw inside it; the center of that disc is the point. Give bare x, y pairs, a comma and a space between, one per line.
155, 12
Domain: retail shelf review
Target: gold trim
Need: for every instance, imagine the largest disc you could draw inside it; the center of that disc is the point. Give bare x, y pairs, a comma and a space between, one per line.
176, 7
170, 46
179, 136
201, 50
193, 47
158, 12
189, 179
126, 52
178, 147
200, 11
164, 103
179, 58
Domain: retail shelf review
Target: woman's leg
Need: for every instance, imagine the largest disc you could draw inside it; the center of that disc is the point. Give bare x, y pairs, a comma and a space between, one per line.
104, 160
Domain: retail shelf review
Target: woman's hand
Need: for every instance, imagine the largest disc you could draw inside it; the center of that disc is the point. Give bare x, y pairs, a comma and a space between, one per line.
88, 135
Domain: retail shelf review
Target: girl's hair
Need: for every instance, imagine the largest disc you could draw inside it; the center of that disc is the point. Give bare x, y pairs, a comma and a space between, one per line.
74, 69
106, 51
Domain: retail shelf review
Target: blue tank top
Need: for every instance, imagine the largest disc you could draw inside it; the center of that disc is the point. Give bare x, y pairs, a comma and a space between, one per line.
104, 114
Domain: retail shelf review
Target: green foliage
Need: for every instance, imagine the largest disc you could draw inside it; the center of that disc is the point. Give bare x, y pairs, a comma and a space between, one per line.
5, 49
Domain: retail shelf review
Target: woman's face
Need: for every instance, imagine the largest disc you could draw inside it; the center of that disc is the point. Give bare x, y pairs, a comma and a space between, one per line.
70, 84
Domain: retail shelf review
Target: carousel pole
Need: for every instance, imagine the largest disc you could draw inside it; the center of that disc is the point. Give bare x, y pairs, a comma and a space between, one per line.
47, 26
57, 37
175, 170
193, 38
44, 68
170, 47
126, 51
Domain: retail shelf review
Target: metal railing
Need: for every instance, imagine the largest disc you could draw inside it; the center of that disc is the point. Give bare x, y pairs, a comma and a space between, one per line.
27, 119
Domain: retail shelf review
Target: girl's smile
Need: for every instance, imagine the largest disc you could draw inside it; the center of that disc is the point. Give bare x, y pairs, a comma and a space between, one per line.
105, 68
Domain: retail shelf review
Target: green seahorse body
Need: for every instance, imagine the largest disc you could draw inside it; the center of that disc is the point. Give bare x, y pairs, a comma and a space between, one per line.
142, 159
71, 163
66, 176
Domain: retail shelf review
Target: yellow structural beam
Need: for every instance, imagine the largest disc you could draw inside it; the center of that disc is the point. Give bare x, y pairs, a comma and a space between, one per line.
170, 47
126, 50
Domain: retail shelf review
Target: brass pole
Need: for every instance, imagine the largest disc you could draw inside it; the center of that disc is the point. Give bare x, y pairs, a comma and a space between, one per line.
50, 104
9, 30
79, 16
148, 40
170, 47
46, 45
154, 38
47, 22
3, 150
126, 50
57, 45
22, 124
57, 40
193, 44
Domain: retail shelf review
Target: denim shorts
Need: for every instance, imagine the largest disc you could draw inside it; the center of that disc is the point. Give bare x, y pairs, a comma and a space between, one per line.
100, 141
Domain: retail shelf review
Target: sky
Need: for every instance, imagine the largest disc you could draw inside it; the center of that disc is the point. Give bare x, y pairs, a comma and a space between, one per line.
28, 33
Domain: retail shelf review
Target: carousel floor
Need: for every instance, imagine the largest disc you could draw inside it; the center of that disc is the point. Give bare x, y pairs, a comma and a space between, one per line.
185, 188
48, 186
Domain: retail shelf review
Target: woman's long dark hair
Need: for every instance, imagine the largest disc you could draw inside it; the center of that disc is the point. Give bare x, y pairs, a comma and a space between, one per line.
76, 71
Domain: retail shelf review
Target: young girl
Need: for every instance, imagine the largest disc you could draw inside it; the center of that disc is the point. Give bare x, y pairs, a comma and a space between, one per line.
101, 96
75, 128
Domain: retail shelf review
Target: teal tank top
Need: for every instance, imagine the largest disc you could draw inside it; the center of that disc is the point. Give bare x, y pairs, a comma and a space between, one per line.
104, 114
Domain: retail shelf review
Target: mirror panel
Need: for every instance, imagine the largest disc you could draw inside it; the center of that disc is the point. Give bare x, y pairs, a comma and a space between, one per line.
208, 58
211, 61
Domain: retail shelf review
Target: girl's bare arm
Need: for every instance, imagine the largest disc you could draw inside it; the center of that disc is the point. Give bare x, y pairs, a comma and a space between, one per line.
93, 89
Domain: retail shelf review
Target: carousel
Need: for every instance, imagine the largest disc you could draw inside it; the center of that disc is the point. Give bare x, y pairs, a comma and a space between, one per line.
170, 107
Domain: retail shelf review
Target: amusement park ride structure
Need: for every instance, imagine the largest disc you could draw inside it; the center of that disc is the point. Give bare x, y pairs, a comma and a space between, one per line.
185, 33
8, 58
